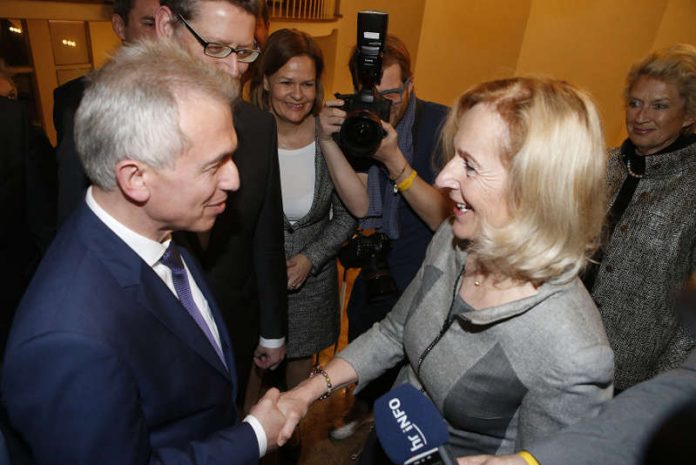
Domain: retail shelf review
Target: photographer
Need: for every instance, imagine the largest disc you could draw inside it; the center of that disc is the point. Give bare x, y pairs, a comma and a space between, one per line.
403, 204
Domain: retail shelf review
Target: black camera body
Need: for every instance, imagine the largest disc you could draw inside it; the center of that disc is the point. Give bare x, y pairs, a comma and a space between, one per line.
361, 132
370, 254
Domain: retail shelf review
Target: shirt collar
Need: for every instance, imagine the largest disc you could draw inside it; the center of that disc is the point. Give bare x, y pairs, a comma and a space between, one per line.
147, 249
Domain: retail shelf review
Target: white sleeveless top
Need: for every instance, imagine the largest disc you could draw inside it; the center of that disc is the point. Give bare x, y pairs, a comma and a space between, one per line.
297, 179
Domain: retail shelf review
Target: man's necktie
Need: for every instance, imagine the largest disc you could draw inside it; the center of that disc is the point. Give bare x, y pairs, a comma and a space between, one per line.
172, 260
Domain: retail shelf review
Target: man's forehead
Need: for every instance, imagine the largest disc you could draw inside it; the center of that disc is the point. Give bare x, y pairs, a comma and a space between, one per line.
391, 75
144, 7
224, 21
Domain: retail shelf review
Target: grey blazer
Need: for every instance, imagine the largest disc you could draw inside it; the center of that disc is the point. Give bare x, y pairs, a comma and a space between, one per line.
502, 376
313, 311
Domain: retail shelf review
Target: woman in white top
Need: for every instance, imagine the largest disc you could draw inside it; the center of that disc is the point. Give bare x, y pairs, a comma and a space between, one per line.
319, 193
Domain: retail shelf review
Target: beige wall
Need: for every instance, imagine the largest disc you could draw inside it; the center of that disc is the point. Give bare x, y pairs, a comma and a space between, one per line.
457, 43
590, 42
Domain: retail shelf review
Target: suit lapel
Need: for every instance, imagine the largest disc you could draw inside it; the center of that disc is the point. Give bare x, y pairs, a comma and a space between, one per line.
225, 341
156, 297
133, 274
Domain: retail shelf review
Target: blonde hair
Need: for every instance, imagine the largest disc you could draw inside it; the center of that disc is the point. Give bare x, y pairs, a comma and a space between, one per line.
674, 65
556, 159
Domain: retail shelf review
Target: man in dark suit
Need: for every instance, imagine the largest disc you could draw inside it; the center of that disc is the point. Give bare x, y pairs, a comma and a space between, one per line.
118, 354
244, 253
243, 256
27, 204
131, 20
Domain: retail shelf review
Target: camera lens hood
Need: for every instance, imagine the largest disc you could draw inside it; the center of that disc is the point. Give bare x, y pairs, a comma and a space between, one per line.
361, 133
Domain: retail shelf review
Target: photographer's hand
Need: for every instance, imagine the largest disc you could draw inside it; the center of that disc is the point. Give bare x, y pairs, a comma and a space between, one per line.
330, 119
428, 202
389, 154
350, 186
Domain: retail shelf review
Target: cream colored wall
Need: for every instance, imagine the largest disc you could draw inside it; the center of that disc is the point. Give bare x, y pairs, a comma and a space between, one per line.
455, 44
591, 43
463, 43
104, 41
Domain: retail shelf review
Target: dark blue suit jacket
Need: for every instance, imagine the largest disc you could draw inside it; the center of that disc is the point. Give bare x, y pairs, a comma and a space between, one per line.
105, 366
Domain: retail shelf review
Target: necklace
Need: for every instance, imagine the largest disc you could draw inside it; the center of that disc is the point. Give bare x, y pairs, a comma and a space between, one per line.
630, 171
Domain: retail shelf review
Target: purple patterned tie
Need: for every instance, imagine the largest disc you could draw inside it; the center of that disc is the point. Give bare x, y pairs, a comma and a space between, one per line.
172, 260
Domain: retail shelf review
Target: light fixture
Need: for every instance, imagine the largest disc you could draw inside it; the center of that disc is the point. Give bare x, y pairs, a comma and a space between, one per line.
69, 43
15, 29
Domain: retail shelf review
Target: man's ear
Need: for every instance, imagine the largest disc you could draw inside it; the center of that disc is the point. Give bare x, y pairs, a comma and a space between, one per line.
119, 26
131, 180
163, 21
410, 83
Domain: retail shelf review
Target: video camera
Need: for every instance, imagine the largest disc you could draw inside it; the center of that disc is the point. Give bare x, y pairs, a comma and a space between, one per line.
361, 132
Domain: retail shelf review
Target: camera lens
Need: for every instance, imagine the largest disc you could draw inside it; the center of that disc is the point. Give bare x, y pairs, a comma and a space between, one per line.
361, 133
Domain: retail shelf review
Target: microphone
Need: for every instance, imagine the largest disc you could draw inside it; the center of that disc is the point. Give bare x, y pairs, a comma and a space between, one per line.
410, 428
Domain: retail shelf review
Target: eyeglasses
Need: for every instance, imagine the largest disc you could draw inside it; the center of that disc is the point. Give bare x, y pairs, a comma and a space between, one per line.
215, 50
396, 94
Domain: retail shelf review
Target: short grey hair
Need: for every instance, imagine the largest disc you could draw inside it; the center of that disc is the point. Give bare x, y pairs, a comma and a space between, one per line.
130, 109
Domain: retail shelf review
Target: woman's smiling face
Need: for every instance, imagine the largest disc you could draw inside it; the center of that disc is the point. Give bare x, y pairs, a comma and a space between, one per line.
292, 89
475, 179
655, 115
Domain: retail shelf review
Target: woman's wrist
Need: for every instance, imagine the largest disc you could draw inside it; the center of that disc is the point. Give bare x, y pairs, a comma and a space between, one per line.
311, 389
318, 371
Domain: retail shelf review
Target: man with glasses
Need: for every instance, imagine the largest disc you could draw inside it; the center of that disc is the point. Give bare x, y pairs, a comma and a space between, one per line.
403, 204
243, 255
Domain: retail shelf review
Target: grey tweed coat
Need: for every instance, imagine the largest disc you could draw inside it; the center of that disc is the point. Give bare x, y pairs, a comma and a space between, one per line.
313, 310
649, 257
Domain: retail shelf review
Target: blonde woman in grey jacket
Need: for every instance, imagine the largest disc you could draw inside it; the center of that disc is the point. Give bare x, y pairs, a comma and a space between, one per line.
496, 327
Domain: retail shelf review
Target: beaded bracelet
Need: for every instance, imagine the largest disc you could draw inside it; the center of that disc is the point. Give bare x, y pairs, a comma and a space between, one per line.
318, 370
406, 184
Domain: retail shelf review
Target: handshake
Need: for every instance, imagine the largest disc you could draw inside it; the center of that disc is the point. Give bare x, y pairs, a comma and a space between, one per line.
279, 414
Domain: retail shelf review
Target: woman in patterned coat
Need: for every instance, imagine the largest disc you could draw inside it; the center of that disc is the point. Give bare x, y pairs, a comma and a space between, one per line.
287, 82
651, 230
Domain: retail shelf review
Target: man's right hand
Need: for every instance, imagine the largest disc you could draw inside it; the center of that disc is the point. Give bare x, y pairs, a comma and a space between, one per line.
266, 411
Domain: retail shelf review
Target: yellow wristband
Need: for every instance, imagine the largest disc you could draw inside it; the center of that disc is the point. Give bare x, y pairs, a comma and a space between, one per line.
529, 458
406, 184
